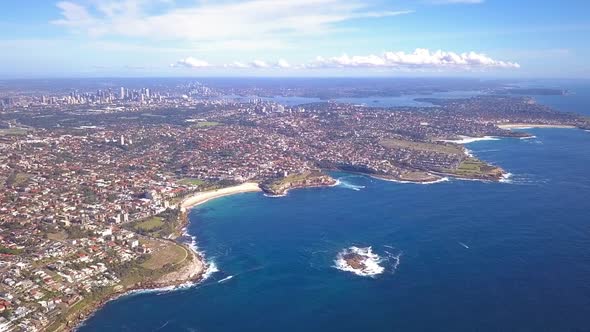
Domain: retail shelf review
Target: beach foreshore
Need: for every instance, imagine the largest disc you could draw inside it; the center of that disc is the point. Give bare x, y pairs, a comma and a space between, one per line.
532, 125
202, 197
193, 272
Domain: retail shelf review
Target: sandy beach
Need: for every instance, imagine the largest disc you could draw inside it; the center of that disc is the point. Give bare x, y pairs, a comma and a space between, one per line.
202, 197
528, 125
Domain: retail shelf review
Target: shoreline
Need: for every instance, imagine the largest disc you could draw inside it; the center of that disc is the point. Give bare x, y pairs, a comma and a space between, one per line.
509, 126
199, 270
469, 139
284, 194
439, 179
205, 196
188, 276
194, 273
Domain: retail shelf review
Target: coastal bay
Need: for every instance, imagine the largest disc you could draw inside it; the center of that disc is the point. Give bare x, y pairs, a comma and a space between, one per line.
457, 242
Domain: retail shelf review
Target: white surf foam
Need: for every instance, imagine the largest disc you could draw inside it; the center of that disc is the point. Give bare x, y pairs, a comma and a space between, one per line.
506, 178
275, 196
211, 269
347, 185
445, 179
468, 139
370, 260
396, 260
193, 243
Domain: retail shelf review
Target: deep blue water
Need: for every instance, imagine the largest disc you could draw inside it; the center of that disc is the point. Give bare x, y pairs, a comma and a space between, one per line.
527, 267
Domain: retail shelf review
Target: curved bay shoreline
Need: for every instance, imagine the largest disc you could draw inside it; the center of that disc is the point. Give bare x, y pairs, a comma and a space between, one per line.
195, 271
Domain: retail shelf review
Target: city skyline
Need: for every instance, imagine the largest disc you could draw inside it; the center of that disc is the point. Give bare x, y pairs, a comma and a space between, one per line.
280, 38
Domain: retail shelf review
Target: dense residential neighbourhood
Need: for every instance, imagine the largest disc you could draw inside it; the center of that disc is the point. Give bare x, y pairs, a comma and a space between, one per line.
92, 182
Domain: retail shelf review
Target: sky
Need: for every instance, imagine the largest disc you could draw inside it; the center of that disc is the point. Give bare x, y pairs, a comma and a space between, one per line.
128, 38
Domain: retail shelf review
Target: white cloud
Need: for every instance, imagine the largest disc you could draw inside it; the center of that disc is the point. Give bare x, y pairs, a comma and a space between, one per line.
244, 22
74, 15
420, 58
191, 62
259, 64
282, 63
385, 13
237, 65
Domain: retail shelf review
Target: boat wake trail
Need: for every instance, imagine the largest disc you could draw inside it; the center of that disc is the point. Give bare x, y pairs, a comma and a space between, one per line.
225, 279
463, 245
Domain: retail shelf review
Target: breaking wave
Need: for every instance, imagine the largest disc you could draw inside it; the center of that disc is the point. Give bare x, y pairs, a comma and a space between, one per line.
506, 178
369, 260
467, 139
445, 179
347, 185
275, 196
211, 269
371, 264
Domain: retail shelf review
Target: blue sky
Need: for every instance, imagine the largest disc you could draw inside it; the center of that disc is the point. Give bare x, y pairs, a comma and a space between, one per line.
495, 38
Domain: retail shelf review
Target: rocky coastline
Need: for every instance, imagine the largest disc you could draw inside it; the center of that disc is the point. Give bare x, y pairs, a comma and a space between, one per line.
355, 261
186, 275
306, 180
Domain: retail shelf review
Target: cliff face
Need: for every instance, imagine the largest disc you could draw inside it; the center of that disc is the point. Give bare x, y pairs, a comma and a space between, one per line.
312, 179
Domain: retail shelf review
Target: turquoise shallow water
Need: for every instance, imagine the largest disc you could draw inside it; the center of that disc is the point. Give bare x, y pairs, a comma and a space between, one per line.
526, 266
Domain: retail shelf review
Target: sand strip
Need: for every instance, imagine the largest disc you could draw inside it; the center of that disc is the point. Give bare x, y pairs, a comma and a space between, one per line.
205, 196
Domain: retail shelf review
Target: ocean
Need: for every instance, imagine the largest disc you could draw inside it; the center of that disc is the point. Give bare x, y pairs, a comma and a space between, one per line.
453, 256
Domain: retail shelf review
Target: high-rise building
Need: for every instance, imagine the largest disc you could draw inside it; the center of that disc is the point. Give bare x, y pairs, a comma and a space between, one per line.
122, 95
